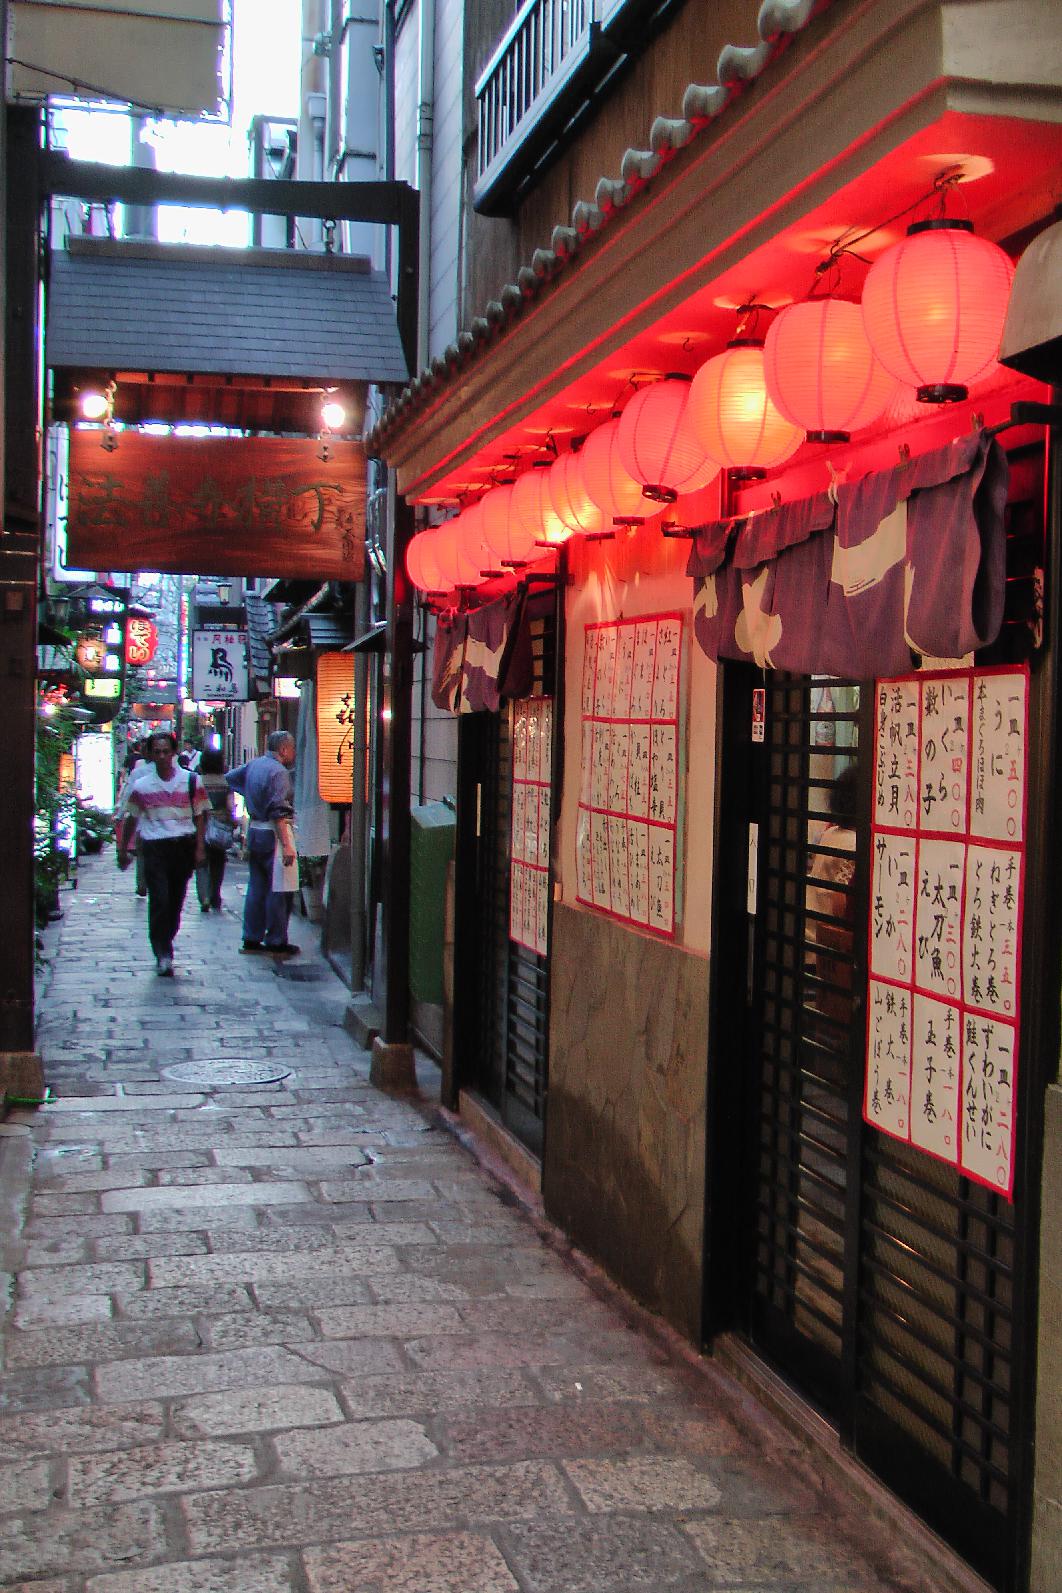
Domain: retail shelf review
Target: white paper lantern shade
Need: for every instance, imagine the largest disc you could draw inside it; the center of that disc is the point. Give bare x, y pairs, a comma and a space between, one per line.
533, 511
733, 415
477, 553
456, 566
610, 486
507, 545
821, 371
656, 445
570, 499
422, 564
934, 305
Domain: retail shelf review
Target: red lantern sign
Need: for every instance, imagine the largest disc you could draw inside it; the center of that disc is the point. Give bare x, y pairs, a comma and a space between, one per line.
141, 640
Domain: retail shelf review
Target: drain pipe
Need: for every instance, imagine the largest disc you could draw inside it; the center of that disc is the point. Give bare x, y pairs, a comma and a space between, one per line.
425, 149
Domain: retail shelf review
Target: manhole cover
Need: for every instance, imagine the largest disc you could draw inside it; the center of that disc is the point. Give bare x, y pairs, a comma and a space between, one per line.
227, 1071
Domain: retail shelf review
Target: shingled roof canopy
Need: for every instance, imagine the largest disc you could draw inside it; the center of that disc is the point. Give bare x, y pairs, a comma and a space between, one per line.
255, 319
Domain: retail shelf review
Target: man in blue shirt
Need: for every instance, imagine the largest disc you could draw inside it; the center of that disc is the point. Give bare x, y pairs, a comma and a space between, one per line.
266, 788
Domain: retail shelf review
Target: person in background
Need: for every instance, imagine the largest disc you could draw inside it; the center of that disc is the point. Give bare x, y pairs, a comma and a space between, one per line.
167, 807
219, 832
137, 762
266, 788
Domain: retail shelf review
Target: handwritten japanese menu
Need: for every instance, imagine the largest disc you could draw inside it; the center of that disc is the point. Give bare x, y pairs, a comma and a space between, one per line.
630, 789
948, 840
530, 834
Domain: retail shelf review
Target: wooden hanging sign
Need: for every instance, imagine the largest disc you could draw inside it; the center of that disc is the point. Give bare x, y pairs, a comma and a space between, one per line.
217, 505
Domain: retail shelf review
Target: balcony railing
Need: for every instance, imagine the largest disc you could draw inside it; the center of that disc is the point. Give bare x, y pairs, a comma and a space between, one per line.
547, 44
554, 63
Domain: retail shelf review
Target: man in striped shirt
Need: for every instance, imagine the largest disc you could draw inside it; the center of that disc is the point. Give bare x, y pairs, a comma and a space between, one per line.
167, 806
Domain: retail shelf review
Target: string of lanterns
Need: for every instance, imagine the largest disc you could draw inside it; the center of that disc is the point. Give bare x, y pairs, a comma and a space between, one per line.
930, 318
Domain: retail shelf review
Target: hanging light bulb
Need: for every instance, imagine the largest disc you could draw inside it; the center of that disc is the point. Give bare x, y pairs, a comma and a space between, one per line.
657, 445
934, 307
532, 510
571, 502
610, 486
733, 416
422, 564
821, 372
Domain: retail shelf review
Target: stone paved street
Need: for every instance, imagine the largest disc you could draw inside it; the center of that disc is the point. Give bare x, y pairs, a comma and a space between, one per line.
290, 1335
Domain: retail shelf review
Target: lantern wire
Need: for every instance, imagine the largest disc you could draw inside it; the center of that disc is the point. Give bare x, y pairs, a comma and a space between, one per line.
827, 271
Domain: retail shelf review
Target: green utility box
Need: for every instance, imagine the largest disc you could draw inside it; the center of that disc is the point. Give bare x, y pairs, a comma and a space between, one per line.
433, 828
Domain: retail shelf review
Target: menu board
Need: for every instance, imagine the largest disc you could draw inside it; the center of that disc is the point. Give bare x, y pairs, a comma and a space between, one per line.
948, 869
630, 788
530, 828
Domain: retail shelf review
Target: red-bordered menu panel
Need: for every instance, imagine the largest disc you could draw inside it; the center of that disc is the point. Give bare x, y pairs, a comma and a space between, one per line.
629, 835
529, 839
947, 887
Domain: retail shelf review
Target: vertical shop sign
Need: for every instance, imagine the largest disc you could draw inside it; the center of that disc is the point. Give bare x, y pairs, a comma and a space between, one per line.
628, 839
531, 817
948, 860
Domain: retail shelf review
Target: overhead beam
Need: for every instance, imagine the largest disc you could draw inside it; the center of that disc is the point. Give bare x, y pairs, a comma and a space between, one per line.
392, 203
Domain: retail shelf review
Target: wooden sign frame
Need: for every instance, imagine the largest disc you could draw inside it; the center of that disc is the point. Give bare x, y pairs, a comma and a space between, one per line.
226, 505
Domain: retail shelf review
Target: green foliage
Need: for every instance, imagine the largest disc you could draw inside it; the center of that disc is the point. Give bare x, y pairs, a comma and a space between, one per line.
55, 736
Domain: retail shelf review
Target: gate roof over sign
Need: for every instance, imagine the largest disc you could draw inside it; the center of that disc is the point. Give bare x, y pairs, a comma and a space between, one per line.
119, 305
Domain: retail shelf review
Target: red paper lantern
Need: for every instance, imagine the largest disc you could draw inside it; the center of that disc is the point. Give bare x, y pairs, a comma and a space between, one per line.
934, 307
422, 565
611, 487
657, 445
141, 640
822, 374
571, 502
499, 530
733, 416
531, 509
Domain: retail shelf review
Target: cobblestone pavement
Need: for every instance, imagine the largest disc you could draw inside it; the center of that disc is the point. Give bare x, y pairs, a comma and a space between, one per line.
291, 1336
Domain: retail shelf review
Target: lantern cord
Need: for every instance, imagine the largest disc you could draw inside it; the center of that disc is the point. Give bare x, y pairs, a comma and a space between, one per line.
845, 245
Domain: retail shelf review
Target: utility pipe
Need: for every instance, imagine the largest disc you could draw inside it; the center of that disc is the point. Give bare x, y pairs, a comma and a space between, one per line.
425, 151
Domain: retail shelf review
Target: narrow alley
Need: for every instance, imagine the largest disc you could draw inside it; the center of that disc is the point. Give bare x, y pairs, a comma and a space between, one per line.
272, 1329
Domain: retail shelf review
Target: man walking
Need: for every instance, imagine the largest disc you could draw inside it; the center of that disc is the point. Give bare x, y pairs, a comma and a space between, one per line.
166, 807
265, 785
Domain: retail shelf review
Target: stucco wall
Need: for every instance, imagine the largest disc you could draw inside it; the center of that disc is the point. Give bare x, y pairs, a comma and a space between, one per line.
623, 1171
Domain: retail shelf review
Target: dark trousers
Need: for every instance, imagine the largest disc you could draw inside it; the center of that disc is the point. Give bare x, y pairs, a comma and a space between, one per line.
265, 911
208, 877
168, 866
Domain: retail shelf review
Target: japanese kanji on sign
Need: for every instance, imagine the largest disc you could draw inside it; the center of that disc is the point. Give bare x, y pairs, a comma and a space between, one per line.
628, 838
948, 866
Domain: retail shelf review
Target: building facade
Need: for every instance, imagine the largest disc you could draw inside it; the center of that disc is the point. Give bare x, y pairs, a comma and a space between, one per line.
675, 843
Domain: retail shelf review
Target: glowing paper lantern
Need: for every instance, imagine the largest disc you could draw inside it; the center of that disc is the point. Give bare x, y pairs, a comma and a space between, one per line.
611, 487
141, 640
657, 445
934, 306
501, 534
335, 726
572, 503
733, 416
822, 374
476, 552
533, 512
455, 565
422, 565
